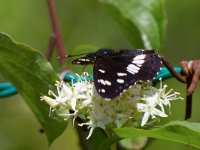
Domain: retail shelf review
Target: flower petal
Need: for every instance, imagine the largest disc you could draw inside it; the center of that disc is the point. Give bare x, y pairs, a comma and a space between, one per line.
145, 118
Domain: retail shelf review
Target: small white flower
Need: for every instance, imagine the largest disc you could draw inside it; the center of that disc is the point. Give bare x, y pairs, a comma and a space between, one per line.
152, 99
51, 102
64, 93
91, 126
149, 110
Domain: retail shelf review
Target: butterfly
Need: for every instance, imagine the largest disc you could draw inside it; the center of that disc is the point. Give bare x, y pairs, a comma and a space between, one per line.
115, 72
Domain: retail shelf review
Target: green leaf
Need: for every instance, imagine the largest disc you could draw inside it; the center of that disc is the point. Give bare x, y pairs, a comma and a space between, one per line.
178, 131
133, 143
32, 75
143, 21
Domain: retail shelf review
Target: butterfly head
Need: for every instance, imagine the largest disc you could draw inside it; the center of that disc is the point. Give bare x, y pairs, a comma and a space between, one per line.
103, 53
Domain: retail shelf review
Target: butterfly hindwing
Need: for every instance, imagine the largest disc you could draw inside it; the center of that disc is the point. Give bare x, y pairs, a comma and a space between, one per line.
113, 75
106, 80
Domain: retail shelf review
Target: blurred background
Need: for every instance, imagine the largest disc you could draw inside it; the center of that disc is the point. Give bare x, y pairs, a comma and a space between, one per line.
87, 22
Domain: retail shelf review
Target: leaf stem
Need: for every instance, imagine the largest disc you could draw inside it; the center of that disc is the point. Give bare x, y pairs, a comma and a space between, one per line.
109, 133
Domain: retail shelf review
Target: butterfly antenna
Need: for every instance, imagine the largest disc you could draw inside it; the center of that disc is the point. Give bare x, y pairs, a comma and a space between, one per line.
62, 57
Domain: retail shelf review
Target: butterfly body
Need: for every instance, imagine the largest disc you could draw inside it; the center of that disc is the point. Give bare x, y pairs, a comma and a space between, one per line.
115, 72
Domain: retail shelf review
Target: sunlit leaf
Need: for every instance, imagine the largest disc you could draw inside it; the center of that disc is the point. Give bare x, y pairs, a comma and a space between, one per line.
143, 21
178, 131
32, 75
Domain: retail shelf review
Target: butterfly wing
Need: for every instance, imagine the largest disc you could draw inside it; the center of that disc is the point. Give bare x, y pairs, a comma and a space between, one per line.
136, 52
113, 75
84, 60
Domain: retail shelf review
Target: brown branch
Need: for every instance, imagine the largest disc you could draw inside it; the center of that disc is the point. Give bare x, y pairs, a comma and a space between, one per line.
56, 31
173, 72
188, 111
51, 45
179, 77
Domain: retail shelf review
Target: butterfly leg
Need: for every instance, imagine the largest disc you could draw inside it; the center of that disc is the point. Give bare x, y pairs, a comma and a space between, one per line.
83, 69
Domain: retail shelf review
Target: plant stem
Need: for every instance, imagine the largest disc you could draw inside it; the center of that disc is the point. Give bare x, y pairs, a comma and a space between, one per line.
109, 133
114, 146
56, 32
179, 77
188, 112
51, 45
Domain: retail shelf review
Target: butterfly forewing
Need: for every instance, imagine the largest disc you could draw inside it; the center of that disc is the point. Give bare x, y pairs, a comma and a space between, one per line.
83, 61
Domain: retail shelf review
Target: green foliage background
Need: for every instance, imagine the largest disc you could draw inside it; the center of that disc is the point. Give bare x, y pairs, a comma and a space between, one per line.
87, 22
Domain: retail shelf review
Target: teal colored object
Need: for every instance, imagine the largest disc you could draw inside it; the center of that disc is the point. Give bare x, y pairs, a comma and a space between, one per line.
7, 89
69, 76
166, 74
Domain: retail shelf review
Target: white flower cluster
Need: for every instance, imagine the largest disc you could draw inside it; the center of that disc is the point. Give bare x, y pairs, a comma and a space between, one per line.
138, 103
76, 97
153, 101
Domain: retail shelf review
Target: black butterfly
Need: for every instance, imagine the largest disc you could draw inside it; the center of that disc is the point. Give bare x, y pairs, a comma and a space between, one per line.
114, 72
